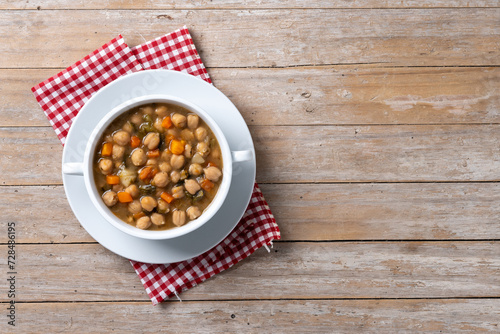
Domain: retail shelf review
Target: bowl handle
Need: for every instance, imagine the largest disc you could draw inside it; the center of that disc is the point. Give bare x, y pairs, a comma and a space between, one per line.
72, 168
239, 156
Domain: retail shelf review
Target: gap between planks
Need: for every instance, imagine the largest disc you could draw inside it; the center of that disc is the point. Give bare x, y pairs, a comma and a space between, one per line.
368, 65
308, 125
290, 241
140, 301
304, 183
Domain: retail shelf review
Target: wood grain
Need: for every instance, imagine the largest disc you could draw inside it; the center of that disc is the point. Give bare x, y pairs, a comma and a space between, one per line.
385, 211
318, 95
398, 93
362, 95
340, 154
88, 272
253, 4
263, 38
318, 316
376, 153
403, 211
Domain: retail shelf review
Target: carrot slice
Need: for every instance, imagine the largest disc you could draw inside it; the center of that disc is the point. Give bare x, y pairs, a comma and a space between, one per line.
112, 179
107, 149
167, 122
145, 173
176, 147
153, 153
207, 184
167, 197
138, 215
124, 197
135, 141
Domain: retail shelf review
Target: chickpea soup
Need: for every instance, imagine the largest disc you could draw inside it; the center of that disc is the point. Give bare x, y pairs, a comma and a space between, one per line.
158, 166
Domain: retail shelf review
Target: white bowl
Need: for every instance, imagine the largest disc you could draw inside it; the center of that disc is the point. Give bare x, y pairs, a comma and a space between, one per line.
85, 168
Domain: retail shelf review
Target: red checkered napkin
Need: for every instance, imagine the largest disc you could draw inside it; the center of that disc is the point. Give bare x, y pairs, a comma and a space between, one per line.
257, 228
63, 95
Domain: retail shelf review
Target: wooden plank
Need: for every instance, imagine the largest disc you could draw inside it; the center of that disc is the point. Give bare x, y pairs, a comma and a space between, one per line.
318, 95
376, 153
318, 316
28, 153
362, 95
385, 211
89, 272
236, 4
42, 215
399, 211
229, 38
288, 154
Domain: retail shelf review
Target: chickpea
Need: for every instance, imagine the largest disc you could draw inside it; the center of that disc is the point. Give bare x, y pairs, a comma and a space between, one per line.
133, 190
148, 110
177, 161
166, 155
188, 151
157, 125
191, 186
138, 157
200, 133
163, 206
136, 119
121, 137
134, 207
195, 169
118, 152
165, 167
161, 111
128, 127
179, 120
157, 219
151, 162
179, 217
192, 121
178, 192
216, 153
212, 173
173, 132
175, 176
193, 212
152, 140
187, 135
143, 223
148, 203
110, 198
161, 179
106, 166
203, 149
117, 187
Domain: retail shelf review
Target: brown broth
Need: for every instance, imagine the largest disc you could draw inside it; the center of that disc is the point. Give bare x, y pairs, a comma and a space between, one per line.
139, 122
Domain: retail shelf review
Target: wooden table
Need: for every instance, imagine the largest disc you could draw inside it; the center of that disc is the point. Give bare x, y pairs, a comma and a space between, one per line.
377, 127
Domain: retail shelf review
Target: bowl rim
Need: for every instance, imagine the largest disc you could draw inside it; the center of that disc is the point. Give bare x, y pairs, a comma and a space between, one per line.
208, 213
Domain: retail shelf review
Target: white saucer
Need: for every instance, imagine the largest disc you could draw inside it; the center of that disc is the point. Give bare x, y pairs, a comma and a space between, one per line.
222, 111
